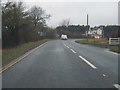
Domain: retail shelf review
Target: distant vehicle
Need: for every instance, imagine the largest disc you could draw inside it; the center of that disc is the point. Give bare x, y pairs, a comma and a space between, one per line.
64, 37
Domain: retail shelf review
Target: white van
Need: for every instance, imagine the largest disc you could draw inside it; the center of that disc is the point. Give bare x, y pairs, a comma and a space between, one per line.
64, 37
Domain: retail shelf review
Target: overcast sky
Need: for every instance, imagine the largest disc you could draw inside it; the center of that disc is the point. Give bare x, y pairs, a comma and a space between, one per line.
100, 13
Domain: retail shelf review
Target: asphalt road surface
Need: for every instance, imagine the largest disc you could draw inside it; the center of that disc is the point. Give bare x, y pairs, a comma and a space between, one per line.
64, 64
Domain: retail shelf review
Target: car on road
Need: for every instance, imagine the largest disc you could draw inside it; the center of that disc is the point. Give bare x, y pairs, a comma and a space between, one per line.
64, 37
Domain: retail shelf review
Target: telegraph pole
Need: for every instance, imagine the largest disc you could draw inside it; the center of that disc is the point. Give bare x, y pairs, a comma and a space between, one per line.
87, 27
87, 19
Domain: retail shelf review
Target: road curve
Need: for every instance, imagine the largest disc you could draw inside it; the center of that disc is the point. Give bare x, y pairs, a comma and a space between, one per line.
64, 64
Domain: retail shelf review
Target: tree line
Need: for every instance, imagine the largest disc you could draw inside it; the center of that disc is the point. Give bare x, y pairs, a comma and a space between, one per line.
21, 25
72, 31
112, 31
78, 31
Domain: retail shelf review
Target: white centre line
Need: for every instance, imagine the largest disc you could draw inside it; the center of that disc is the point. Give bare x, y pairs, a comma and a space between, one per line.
67, 47
72, 50
64, 44
88, 62
117, 86
104, 75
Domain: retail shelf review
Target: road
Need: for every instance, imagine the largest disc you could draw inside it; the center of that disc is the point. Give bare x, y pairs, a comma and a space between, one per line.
64, 64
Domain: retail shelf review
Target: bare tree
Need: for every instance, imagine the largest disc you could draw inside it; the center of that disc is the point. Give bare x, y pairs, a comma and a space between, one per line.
39, 15
65, 22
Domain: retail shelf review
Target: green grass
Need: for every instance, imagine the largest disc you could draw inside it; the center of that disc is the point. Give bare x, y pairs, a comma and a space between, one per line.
116, 49
101, 42
7, 54
94, 41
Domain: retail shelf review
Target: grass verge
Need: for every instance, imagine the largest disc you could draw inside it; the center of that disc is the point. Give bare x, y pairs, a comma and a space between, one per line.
100, 42
93, 41
10, 54
115, 49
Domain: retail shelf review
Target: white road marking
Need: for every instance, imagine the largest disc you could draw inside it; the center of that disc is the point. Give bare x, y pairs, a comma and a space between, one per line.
72, 50
107, 50
104, 75
67, 47
64, 44
117, 86
88, 62
19, 58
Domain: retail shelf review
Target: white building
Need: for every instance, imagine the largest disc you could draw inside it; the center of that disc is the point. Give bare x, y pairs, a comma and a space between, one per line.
96, 32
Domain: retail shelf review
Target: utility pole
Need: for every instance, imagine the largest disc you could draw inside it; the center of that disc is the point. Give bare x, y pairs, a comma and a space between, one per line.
87, 19
87, 27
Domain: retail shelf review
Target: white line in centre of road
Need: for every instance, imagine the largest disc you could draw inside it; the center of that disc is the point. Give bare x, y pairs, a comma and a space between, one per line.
88, 62
67, 47
104, 75
72, 50
64, 44
117, 86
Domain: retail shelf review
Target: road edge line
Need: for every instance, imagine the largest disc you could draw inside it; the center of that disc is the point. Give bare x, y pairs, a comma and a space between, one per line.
19, 58
108, 50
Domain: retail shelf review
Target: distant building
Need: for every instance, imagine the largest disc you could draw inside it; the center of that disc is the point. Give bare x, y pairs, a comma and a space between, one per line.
96, 32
